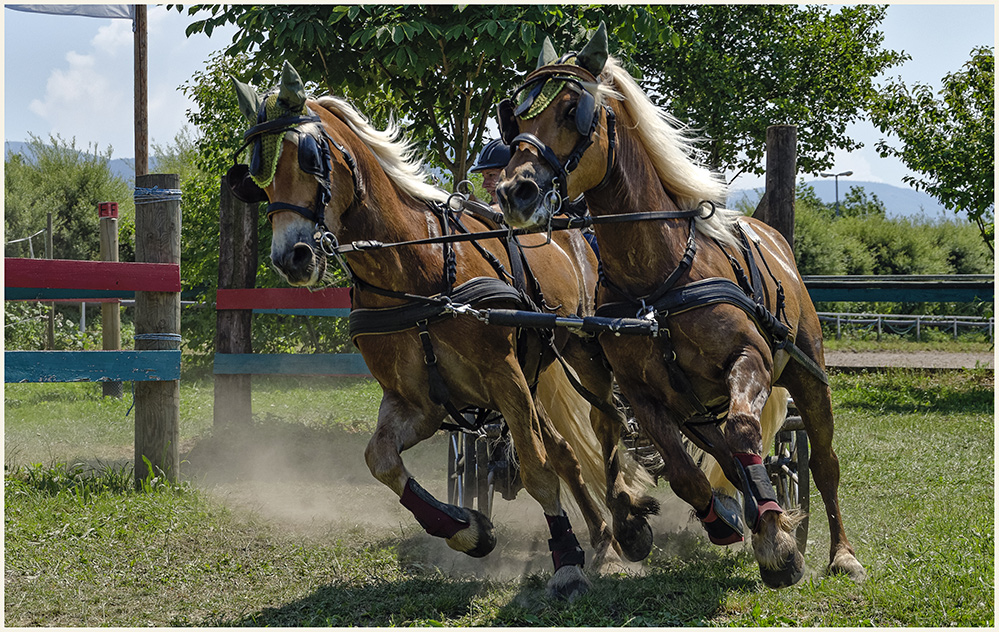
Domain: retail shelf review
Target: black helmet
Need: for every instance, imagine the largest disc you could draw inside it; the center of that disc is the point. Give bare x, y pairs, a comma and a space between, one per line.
494, 155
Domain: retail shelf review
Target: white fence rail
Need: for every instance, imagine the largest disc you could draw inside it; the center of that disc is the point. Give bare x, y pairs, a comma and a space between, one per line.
905, 323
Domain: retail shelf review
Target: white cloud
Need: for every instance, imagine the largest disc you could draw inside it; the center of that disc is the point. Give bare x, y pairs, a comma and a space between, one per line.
82, 96
114, 38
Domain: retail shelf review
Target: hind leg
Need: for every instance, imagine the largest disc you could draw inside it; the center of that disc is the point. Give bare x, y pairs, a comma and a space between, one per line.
629, 507
400, 426
814, 401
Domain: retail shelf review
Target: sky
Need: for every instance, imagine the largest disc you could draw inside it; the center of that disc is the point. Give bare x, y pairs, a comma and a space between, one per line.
72, 76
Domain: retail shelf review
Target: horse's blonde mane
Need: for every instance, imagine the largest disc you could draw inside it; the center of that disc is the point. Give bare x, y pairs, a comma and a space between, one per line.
396, 155
672, 151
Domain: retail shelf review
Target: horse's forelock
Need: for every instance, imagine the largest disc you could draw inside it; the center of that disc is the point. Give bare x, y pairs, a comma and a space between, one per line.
396, 155
671, 148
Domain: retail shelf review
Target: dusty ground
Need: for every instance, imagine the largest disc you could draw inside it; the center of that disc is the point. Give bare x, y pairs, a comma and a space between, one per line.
918, 359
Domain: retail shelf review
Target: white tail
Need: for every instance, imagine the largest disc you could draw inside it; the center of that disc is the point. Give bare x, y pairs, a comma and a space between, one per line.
570, 414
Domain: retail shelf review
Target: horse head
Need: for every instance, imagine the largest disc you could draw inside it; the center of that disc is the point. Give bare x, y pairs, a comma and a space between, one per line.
308, 177
560, 132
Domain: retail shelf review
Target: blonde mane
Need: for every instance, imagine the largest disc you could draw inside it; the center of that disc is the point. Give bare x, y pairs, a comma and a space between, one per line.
672, 151
394, 152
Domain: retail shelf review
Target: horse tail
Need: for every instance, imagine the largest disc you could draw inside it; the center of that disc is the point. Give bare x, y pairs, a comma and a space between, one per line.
570, 415
771, 419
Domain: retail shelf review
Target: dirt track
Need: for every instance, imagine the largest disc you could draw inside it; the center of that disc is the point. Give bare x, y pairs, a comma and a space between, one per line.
918, 359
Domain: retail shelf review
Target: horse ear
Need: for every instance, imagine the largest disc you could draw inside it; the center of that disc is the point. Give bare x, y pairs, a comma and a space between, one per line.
548, 54
291, 92
249, 100
594, 54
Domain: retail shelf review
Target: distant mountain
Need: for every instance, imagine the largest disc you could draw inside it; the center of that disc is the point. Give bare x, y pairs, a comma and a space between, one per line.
121, 167
900, 202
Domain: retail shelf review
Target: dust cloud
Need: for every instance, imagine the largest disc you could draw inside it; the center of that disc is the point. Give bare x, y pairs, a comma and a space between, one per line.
315, 482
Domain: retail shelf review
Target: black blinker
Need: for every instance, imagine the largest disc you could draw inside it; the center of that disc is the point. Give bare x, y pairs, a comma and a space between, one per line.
242, 185
508, 127
585, 111
309, 160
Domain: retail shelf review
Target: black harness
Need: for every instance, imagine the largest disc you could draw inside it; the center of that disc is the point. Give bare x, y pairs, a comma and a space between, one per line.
585, 120
668, 298
517, 286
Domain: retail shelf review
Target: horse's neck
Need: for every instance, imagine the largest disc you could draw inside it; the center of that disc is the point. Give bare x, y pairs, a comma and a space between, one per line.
389, 217
637, 255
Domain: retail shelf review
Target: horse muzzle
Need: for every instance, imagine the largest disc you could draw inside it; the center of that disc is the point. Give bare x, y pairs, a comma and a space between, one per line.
301, 265
524, 203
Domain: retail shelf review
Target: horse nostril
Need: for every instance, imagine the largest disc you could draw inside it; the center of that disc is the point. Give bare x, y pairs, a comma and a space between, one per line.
301, 256
521, 193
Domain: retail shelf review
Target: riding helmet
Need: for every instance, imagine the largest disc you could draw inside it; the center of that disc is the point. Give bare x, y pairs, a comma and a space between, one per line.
494, 155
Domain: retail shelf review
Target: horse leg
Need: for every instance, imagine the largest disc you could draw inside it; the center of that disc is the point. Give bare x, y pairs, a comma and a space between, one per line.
774, 545
399, 428
629, 507
814, 401
528, 429
565, 461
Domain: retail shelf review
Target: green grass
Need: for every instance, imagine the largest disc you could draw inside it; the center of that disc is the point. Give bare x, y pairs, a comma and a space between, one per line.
83, 548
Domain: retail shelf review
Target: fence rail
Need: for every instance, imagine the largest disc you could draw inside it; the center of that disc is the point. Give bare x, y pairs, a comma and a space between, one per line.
902, 288
905, 323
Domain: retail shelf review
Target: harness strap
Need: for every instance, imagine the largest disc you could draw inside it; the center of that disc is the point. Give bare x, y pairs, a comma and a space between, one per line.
557, 223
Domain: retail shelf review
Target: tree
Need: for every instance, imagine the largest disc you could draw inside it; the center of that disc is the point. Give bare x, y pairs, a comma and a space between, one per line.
950, 142
741, 68
442, 68
55, 176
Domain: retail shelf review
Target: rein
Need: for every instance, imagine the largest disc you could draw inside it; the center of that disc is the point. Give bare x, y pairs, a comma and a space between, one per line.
557, 224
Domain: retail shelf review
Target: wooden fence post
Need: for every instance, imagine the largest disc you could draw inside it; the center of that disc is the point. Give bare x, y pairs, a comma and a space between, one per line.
776, 208
237, 270
157, 326
50, 321
110, 312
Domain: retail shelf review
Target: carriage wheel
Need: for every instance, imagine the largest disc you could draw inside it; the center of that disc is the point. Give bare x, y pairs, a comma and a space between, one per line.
469, 478
469, 482
455, 467
788, 468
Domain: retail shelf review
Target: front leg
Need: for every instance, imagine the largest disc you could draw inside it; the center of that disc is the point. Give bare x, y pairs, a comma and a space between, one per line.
401, 426
626, 481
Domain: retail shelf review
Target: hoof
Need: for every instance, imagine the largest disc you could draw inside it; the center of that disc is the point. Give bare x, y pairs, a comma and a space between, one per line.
633, 534
846, 564
634, 537
568, 583
478, 539
787, 575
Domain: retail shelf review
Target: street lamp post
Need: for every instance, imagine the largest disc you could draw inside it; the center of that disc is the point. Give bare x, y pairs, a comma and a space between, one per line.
836, 180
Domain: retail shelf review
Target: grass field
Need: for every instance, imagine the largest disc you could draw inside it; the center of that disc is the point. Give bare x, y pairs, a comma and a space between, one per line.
278, 522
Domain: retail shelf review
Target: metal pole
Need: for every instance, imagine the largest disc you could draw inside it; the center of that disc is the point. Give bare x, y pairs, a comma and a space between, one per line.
836, 185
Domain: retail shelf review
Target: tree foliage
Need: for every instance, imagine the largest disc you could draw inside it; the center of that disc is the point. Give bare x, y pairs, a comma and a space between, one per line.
950, 141
741, 68
57, 177
441, 68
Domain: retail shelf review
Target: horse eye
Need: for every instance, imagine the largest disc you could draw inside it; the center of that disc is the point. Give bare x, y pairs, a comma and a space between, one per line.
570, 114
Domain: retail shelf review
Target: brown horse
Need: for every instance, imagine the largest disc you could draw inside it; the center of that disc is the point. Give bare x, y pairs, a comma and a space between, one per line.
331, 178
735, 318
